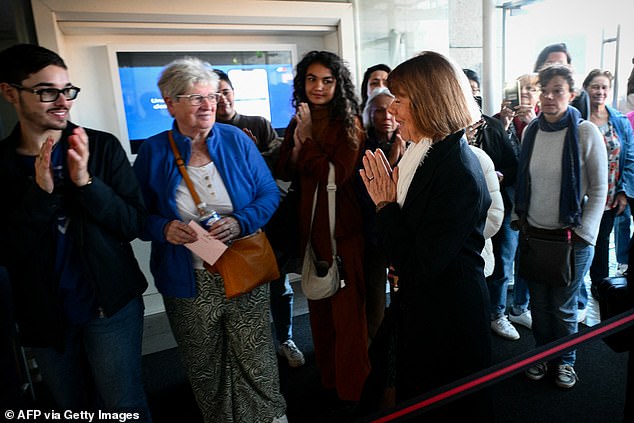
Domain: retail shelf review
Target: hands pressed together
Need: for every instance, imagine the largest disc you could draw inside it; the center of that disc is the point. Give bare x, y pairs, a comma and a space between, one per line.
379, 178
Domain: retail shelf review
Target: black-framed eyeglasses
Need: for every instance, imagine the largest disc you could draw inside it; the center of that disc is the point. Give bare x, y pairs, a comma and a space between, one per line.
49, 95
197, 99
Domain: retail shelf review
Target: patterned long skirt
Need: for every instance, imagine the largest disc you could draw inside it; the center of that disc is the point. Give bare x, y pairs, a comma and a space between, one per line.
228, 350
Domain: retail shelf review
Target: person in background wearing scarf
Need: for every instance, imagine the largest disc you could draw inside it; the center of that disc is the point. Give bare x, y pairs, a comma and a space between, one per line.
561, 183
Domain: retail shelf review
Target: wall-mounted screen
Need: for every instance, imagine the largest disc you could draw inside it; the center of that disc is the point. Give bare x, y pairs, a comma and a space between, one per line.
262, 80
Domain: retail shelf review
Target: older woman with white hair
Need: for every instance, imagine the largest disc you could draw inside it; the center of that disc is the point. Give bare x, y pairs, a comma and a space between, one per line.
381, 126
226, 344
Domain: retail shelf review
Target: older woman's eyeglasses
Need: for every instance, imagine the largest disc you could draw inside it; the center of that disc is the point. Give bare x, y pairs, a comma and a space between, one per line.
197, 99
49, 95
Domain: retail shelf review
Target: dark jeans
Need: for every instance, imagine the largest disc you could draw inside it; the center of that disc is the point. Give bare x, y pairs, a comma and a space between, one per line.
505, 251
103, 357
282, 308
553, 308
622, 233
600, 267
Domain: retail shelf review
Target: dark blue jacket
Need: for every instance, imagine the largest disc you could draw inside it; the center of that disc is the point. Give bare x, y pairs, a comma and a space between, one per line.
105, 216
623, 130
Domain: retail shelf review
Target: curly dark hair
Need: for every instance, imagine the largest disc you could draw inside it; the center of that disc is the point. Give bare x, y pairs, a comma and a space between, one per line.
345, 105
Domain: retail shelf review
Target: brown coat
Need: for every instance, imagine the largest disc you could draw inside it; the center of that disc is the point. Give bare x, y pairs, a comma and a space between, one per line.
338, 323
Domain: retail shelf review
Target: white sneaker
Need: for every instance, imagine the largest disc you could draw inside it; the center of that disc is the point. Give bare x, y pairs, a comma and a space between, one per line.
504, 328
525, 319
621, 268
282, 419
294, 356
581, 315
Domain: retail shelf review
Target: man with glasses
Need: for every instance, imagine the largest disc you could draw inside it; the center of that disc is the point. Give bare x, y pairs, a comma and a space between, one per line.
262, 133
72, 205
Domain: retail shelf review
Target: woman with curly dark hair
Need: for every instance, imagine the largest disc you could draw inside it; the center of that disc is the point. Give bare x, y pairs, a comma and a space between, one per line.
325, 130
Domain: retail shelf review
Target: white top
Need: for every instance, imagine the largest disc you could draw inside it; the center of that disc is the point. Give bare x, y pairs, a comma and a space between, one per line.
211, 190
407, 166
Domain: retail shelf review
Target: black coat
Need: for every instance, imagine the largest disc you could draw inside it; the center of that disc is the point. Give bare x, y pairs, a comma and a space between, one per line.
105, 216
434, 241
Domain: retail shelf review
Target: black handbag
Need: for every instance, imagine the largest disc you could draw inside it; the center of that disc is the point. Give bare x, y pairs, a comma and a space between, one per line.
614, 299
546, 256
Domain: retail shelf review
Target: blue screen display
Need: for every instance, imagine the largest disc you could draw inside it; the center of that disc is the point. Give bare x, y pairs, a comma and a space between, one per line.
262, 89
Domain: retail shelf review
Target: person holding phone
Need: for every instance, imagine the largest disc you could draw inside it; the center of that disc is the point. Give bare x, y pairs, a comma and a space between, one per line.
515, 116
514, 122
489, 135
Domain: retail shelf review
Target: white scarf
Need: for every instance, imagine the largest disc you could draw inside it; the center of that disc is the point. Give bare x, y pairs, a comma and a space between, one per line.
411, 160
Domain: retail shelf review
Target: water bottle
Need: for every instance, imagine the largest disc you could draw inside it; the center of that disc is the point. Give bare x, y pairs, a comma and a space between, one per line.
209, 216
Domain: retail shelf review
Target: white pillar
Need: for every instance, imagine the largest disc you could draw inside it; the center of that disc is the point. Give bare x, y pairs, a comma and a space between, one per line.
490, 71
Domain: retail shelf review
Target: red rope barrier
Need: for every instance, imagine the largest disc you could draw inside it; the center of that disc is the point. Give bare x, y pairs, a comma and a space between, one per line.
552, 349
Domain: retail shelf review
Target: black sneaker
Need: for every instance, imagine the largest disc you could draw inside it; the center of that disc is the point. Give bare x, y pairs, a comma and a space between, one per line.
537, 372
566, 376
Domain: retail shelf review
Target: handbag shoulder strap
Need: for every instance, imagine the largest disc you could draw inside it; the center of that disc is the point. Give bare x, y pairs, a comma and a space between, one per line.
180, 163
332, 190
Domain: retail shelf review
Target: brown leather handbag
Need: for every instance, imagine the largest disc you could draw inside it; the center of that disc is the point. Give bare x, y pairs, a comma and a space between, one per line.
248, 262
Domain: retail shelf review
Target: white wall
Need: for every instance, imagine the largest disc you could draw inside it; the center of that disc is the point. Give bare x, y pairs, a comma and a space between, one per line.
81, 30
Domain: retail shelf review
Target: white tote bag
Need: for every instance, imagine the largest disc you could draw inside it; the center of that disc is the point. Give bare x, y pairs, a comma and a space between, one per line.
319, 287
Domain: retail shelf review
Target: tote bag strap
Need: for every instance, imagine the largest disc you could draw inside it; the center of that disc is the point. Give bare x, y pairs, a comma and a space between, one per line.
331, 188
180, 163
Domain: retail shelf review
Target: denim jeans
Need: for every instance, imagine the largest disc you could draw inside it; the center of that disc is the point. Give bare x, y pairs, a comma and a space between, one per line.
282, 308
600, 267
554, 309
622, 234
504, 251
100, 366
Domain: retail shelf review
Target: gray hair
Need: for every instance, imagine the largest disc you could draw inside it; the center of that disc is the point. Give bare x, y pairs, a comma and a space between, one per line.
367, 111
181, 74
